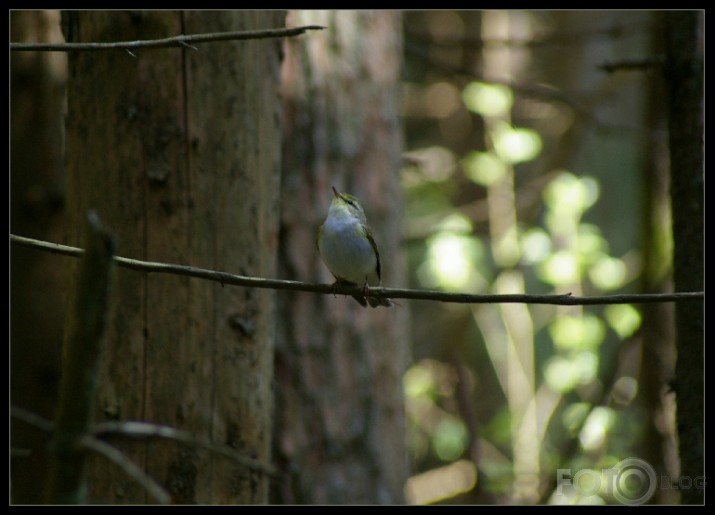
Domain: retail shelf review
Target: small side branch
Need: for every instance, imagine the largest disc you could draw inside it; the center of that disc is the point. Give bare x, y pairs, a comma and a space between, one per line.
632, 64
145, 430
171, 42
128, 466
82, 355
343, 289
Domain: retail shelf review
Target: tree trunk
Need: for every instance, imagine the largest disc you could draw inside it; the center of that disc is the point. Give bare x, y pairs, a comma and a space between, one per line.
178, 151
659, 443
340, 425
684, 77
37, 81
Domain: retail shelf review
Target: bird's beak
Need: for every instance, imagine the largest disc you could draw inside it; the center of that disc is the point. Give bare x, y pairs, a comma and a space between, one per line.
336, 192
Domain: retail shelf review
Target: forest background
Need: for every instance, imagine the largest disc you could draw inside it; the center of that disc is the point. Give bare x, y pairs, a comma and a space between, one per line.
499, 152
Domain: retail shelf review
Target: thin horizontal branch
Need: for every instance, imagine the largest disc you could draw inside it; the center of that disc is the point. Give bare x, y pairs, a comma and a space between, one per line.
171, 42
134, 429
343, 289
647, 63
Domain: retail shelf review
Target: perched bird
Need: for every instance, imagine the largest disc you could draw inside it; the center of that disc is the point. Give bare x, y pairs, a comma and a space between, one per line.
348, 249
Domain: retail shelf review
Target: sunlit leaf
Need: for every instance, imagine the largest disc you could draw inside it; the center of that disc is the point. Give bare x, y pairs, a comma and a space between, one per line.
484, 168
608, 273
450, 438
535, 245
560, 374
453, 258
516, 145
456, 223
623, 318
563, 373
491, 100
596, 428
568, 194
561, 267
418, 381
586, 363
577, 332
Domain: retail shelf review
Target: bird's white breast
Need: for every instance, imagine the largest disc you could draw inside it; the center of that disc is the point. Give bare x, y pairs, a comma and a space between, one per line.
347, 252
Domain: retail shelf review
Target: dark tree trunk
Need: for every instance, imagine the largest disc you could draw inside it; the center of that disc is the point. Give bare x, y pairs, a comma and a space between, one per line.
684, 77
37, 82
178, 151
340, 424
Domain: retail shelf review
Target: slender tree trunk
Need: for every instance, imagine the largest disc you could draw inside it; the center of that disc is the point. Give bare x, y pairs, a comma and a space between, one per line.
684, 76
659, 443
178, 151
340, 425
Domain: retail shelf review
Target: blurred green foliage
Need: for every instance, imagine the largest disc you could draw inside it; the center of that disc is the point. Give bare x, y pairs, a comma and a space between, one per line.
506, 184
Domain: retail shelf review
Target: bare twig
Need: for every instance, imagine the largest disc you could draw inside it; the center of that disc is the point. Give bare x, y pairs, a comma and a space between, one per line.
134, 429
647, 63
33, 419
128, 466
102, 448
171, 42
343, 289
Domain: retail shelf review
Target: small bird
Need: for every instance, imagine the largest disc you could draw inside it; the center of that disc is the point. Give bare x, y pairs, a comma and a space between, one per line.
348, 249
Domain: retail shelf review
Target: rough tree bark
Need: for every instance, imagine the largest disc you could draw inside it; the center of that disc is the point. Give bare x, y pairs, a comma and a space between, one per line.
37, 81
340, 426
684, 77
178, 150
